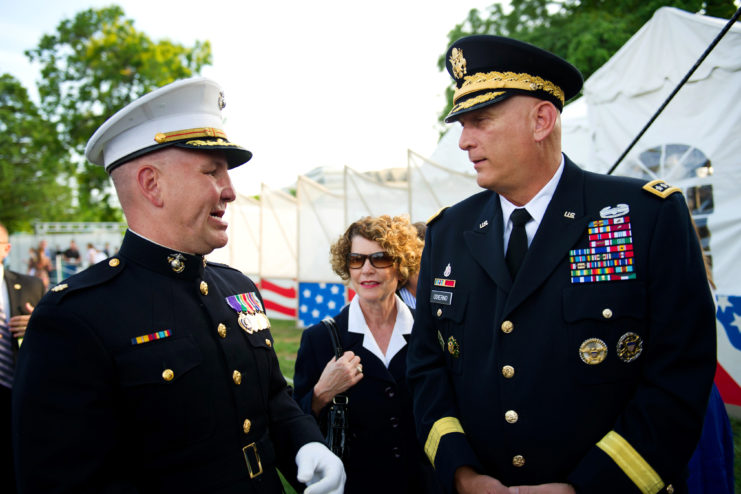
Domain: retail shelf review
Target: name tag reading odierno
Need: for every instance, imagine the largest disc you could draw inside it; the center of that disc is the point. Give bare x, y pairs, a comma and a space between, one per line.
438, 297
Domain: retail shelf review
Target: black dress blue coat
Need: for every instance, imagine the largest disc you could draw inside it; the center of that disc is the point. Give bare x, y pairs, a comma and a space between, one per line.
495, 366
383, 454
204, 410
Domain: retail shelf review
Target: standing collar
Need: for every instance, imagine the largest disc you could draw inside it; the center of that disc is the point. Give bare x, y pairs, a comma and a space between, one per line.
160, 259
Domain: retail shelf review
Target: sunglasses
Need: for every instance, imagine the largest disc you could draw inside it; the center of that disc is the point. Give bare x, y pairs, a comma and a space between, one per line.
377, 260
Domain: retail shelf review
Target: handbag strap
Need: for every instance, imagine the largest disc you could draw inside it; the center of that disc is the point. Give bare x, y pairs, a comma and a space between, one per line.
331, 325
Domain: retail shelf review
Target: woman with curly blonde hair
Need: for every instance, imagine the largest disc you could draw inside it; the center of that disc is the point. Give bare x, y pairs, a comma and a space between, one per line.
376, 255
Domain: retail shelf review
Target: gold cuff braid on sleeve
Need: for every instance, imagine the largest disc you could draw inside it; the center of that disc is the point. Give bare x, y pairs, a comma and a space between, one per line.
631, 463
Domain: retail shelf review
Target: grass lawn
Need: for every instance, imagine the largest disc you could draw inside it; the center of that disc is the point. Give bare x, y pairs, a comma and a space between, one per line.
287, 339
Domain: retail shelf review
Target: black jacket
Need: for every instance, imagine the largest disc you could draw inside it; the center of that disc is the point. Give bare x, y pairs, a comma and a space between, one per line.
499, 370
98, 408
383, 454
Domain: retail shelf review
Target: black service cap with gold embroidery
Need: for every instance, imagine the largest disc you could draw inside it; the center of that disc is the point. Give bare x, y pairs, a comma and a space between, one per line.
488, 69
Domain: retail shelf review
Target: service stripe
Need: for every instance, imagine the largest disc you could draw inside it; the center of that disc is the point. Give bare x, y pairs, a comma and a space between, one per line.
631, 463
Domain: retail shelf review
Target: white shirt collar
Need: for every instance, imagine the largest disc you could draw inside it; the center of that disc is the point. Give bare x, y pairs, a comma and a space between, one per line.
403, 326
536, 207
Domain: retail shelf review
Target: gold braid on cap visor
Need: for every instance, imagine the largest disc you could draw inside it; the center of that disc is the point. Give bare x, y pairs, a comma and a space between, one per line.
178, 135
501, 80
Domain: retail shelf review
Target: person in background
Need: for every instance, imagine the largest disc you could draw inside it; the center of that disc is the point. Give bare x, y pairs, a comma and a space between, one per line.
19, 294
156, 370
71, 255
408, 291
564, 337
374, 254
711, 465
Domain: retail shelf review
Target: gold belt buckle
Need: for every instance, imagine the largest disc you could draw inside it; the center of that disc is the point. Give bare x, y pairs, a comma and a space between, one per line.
248, 451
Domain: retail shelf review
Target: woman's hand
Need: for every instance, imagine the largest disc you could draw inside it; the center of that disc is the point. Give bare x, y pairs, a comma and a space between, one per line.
338, 375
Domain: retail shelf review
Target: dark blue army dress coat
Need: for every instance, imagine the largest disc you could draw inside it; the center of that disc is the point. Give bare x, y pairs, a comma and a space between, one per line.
136, 377
595, 378
383, 455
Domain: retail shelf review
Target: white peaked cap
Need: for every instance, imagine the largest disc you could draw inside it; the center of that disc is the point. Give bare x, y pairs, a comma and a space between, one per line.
185, 114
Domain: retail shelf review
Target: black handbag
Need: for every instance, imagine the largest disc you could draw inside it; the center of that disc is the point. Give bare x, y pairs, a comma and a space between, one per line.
336, 433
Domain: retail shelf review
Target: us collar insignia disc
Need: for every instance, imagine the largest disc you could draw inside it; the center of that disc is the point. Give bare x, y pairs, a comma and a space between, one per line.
629, 347
593, 351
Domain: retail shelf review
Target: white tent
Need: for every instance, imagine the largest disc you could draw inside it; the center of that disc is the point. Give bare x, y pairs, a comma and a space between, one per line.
693, 144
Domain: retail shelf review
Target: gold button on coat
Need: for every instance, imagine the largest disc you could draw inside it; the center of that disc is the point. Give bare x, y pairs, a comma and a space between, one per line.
607, 313
246, 426
114, 262
511, 416
268, 342
439, 312
204, 288
518, 461
507, 326
508, 371
221, 329
670, 489
237, 376
168, 375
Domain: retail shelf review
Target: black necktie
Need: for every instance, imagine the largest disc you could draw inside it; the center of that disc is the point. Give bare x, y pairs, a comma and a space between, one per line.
517, 246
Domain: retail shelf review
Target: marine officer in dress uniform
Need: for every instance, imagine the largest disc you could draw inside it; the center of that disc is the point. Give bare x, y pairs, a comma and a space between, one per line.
565, 334
154, 371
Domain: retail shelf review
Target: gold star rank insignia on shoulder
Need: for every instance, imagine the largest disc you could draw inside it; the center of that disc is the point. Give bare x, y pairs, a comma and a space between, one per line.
660, 188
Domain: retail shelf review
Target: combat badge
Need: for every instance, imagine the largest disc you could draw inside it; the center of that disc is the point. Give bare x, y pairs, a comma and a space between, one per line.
453, 348
629, 347
593, 351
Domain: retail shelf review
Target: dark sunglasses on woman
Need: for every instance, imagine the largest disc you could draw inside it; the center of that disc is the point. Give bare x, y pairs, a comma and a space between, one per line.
377, 259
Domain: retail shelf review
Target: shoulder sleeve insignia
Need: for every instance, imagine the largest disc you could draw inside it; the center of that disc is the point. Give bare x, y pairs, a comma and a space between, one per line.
660, 188
436, 215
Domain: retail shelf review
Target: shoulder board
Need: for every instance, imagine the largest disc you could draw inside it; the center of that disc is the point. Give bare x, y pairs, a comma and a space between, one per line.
436, 215
661, 188
96, 274
221, 265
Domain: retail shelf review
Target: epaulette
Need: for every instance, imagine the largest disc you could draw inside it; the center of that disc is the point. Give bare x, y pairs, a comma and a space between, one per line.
96, 274
221, 265
436, 215
660, 188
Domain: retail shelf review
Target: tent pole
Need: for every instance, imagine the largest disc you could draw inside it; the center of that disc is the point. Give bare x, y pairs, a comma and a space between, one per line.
722, 33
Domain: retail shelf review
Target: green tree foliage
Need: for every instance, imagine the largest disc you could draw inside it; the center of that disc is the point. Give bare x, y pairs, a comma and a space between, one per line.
33, 162
92, 66
584, 32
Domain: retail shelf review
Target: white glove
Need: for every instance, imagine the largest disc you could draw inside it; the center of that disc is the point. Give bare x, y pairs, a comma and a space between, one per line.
320, 469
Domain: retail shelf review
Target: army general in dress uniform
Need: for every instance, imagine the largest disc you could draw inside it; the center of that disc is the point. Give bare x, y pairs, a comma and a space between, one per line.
565, 332
154, 371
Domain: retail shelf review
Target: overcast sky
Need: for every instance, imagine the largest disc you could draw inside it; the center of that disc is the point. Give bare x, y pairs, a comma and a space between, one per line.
323, 83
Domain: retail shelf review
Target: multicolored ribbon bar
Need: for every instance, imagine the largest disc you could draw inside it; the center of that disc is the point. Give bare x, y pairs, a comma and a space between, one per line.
610, 221
151, 337
610, 253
